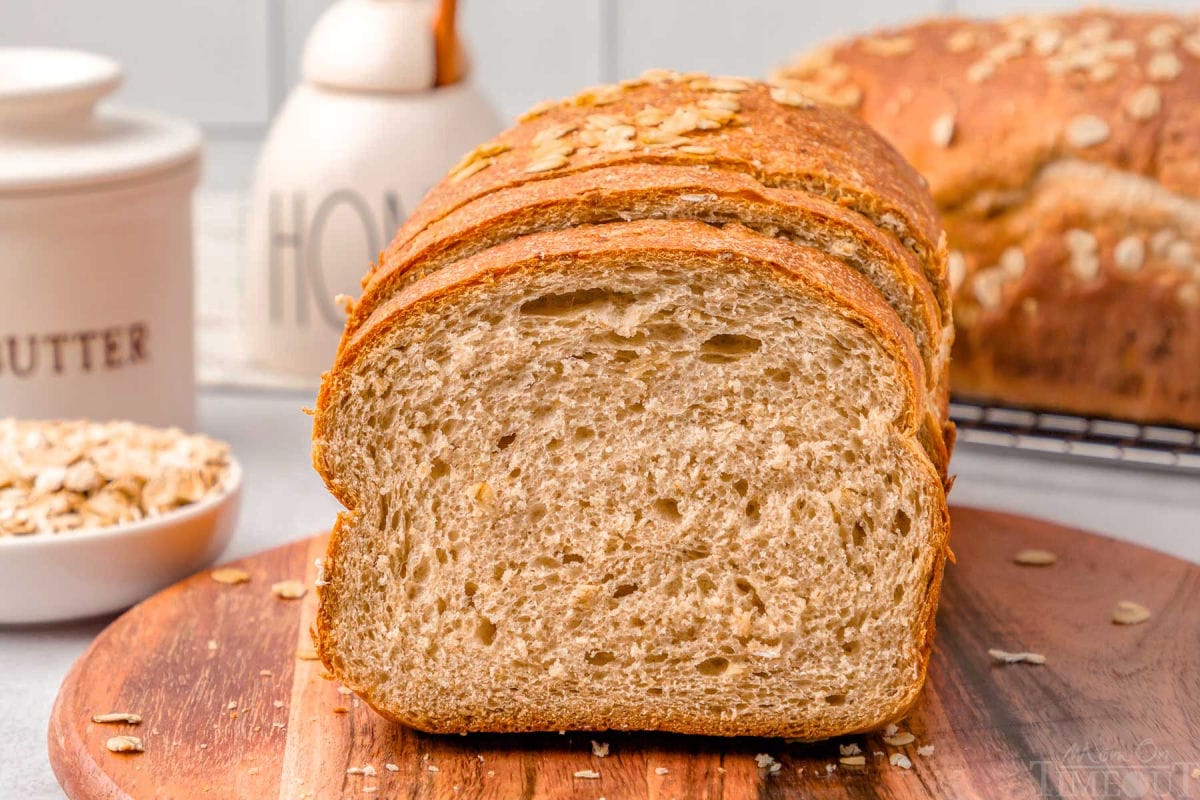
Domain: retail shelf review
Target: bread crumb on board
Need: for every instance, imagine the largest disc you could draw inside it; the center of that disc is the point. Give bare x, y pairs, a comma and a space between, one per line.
230, 576
1127, 612
589, 774
1005, 657
289, 590
900, 760
125, 744
123, 717
1034, 558
599, 749
661, 770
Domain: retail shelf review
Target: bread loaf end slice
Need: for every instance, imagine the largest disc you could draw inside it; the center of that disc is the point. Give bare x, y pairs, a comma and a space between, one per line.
650, 475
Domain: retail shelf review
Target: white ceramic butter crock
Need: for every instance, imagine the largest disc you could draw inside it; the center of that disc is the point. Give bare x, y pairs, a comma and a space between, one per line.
356, 146
95, 246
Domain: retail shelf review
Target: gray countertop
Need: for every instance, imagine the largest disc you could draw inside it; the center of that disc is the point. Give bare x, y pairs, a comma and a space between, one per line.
285, 500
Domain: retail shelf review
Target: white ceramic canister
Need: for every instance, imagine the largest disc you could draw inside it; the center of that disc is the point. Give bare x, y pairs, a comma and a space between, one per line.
95, 246
355, 147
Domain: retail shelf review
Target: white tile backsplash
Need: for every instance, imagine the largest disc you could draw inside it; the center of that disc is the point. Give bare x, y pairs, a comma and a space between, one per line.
203, 60
743, 38
228, 63
523, 51
992, 8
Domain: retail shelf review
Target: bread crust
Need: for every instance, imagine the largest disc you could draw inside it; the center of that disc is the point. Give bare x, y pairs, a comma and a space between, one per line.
1095, 107
675, 241
841, 160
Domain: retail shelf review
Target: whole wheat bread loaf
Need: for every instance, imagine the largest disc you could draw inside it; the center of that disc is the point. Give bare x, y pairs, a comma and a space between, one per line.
651, 444
1064, 153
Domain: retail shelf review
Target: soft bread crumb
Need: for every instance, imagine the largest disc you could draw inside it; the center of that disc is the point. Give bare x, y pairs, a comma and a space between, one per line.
925, 750
900, 760
599, 749
651, 403
851, 749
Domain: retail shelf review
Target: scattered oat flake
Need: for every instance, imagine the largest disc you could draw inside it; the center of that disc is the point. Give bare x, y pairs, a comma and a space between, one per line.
289, 590
766, 762
369, 789
432, 768
1128, 612
900, 739
941, 131
853, 761
1017, 658
661, 770
391, 767
900, 760
925, 750
599, 749
587, 773
1035, 558
125, 744
230, 576
118, 716
1086, 130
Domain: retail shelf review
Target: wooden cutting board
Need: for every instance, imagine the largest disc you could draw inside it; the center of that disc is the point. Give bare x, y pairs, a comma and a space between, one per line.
1114, 712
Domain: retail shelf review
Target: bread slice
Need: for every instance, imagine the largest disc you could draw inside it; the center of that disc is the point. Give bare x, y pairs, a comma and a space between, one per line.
648, 475
653, 191
724, 126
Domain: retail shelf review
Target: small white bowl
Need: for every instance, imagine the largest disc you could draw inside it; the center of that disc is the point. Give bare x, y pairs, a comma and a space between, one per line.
50, 577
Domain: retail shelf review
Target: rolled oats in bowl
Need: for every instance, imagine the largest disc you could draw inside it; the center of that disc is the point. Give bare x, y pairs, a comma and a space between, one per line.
62, 476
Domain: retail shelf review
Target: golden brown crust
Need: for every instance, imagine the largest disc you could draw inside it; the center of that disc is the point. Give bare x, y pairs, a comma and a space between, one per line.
1016, 90
730, 125
1067, 167
673, 241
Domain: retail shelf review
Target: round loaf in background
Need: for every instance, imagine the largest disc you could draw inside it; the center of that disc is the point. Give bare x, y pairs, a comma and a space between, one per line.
1064, 156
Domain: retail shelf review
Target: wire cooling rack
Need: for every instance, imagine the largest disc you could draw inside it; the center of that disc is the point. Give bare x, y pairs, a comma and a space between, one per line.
1150, 446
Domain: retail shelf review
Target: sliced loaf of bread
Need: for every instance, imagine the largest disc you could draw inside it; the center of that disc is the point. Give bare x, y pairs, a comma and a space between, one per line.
650, 444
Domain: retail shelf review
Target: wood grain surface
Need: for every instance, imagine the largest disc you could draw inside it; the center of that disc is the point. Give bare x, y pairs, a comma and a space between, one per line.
230, 711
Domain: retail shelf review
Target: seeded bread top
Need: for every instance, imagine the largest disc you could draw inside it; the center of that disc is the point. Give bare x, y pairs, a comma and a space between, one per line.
776, 135
982, 106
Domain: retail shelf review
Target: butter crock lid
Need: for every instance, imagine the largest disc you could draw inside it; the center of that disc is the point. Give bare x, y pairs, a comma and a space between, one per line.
54, 137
